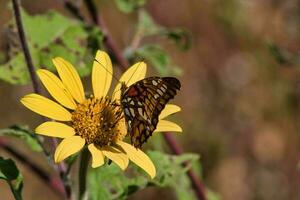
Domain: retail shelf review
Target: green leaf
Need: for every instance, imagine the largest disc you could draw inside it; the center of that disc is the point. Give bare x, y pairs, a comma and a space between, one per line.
283, 56
128, 6
181, 38
110, 182
10, 173
56, 35
212, 195
154, 54
23, 133
173, 174
147, 26
159, 59
8, 169
279, 55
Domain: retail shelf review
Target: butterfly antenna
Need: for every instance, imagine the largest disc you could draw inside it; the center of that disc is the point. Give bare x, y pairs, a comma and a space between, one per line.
129, 78
107, 70
135, 70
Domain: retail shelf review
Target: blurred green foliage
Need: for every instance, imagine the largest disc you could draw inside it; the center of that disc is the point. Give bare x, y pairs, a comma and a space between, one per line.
128, 6
23, 133
153, 53
146, 27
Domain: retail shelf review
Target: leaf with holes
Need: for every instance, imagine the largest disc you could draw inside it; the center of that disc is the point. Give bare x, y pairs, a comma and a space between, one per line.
108, 182
66, 38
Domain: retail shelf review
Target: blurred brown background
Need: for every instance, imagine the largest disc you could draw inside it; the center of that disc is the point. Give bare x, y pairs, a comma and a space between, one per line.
240, 95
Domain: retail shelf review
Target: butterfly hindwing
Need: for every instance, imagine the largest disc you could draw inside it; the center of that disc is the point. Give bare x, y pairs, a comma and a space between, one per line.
142, 103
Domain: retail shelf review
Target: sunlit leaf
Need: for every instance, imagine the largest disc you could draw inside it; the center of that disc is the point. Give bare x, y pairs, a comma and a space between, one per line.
49, 35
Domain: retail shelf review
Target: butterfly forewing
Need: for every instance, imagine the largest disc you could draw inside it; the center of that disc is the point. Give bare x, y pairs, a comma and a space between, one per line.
142, 103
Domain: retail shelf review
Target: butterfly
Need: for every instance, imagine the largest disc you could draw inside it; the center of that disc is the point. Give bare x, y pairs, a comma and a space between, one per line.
142, 102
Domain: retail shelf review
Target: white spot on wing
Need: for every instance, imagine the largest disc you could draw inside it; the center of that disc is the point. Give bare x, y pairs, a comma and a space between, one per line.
132, 112
126, 111
154, 82
140, 110
159, 92
129, 124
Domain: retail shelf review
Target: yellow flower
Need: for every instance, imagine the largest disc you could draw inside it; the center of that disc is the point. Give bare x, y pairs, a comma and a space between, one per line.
97, 121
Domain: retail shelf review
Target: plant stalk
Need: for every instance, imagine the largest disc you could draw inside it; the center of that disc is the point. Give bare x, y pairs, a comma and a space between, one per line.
31, 70
83, 168
18, 18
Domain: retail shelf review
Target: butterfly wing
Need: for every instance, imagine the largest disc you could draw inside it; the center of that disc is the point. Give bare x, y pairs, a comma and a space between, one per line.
142, 103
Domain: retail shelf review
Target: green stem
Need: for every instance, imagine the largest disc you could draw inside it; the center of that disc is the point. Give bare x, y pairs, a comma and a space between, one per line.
16, 194
84, 161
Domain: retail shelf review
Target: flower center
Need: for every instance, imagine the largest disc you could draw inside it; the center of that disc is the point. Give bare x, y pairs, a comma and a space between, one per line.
99, 121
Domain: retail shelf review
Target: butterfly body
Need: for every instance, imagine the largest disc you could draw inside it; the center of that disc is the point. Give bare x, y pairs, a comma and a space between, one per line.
142, 103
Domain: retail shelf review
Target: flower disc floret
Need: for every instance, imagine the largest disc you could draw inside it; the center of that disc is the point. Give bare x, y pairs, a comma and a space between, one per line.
97, 121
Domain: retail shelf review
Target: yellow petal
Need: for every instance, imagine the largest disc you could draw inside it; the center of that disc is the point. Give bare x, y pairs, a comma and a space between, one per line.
102, 74
68, 147
70, 78
133, 74
169, 110
116, 155
55, 129
56, 88
167, 126
46, 107
139, 158
97, 156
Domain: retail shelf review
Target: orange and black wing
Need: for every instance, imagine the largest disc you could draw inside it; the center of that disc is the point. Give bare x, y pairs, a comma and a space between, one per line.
142, 103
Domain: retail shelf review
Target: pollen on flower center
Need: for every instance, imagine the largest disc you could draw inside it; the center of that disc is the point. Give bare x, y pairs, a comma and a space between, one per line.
98, 121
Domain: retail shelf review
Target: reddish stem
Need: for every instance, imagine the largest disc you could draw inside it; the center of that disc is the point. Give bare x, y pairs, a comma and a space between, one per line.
54, 182
21, 32
30, 67
108, 40
197, 184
